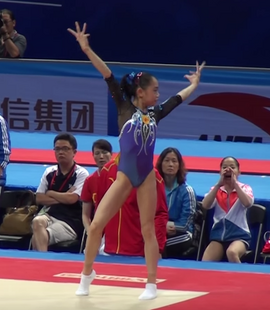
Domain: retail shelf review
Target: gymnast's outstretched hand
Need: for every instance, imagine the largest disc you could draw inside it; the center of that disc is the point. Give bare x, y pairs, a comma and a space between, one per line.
81, 36
194, 77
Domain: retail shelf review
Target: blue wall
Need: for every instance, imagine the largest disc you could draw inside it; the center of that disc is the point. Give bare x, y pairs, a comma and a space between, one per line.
225, 33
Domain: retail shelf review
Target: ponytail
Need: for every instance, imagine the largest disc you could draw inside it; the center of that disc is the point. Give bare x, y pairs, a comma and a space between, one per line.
127, 86
131, 82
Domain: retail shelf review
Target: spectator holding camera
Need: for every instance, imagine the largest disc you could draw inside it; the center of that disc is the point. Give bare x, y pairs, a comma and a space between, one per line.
12, 44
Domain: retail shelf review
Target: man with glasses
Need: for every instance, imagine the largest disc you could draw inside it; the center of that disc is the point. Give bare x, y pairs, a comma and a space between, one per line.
59, 192
12, 44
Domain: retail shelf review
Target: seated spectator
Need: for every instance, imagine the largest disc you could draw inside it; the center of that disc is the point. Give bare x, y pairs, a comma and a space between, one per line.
59, 191
123, 233
181, 201
5, 150
230, 232
12, 44
102, 153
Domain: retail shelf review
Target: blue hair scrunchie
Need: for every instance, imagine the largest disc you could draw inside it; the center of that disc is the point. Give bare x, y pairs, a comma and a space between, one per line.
130, 77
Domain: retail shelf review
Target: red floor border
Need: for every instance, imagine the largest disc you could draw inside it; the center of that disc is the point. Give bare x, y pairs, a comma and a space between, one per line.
193, 163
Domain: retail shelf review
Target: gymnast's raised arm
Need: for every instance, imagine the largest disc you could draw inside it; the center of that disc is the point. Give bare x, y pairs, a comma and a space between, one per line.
99, 64
165, 108
194, 79
82, 39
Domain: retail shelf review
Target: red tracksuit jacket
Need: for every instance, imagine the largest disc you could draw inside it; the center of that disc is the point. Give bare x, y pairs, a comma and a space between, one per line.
123, 233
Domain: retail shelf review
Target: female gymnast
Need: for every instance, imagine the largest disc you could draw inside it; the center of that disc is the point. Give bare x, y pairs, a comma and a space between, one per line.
138, 116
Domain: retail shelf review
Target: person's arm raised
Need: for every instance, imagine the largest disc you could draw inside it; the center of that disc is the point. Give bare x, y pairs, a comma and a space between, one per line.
82, 39
194, 79
169, 105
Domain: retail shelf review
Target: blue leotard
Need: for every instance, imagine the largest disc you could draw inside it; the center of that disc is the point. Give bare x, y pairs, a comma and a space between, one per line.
137, 133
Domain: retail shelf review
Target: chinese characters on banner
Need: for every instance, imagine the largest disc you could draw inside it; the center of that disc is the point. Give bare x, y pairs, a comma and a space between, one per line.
60, 97
49, 116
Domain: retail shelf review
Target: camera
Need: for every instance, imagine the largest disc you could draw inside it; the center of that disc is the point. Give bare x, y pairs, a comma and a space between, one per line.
1, 20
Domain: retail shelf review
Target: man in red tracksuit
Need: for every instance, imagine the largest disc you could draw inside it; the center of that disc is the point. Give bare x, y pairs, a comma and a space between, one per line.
123, 233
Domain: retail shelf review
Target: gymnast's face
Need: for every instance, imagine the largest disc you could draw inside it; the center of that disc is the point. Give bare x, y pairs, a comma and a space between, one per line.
150, 94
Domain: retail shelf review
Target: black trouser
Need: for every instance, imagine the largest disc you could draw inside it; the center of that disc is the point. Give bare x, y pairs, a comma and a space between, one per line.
2, 210
176, 250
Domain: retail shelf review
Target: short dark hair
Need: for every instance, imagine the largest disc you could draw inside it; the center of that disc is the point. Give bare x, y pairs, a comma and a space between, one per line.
67, 137
10, 13
181, 173
103, 145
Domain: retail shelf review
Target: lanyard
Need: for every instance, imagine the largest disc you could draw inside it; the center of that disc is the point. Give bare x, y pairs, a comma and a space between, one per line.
65, 181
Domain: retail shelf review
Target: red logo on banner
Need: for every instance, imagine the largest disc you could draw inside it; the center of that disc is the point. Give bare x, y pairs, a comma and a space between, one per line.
252, 108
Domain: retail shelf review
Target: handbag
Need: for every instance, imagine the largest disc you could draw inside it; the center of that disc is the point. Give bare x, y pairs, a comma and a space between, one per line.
266, 248
18, 220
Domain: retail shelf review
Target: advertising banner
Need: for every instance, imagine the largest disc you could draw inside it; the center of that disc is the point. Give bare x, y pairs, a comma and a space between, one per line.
54, 104
52, 96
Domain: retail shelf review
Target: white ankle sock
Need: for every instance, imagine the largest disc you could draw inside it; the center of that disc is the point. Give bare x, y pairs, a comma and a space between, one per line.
150, 292
83, 289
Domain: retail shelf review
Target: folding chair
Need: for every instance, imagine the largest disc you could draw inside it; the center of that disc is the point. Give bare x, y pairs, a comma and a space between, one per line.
72, 246
204, 212
255, 216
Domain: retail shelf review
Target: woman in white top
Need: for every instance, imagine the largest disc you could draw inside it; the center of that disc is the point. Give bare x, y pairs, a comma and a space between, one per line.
230, 232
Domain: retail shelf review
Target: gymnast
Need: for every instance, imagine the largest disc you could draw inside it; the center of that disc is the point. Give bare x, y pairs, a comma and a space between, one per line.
138, 115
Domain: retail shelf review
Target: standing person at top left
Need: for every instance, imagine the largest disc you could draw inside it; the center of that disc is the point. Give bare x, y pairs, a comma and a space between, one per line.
5, 150
12, 44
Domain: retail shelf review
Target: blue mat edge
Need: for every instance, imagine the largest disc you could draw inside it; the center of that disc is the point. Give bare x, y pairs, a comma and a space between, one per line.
177, 264
188, 147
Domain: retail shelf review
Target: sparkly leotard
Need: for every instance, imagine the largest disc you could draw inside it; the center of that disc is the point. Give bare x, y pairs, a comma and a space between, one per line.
137, 133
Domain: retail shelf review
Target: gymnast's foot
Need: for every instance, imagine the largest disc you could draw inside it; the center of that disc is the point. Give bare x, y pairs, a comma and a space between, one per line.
83, 289
150, 292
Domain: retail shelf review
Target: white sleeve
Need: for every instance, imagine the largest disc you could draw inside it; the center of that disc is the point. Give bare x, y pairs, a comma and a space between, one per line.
82, 174
43, 185
248, 190
215, 200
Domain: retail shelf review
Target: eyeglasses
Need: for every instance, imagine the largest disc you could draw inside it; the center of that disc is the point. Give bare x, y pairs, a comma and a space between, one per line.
63, 149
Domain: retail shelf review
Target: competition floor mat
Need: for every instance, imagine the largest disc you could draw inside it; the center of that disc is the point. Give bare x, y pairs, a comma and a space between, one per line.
45, 283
